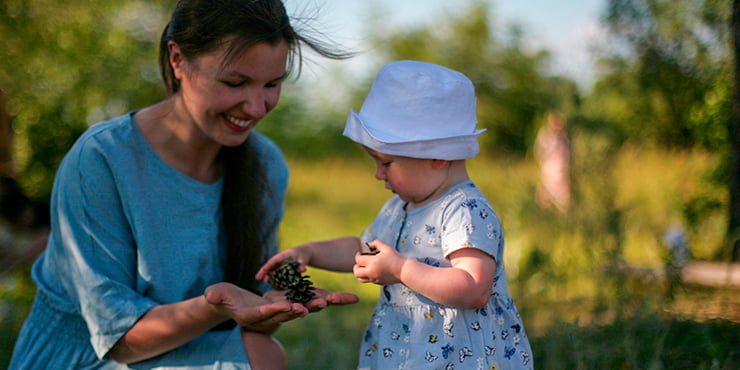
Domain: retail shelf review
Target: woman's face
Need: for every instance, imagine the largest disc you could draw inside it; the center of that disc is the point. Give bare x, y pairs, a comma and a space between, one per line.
226, 101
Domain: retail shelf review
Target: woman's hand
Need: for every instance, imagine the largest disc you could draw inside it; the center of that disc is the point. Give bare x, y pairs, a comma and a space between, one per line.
250, 310
324, 298
383, 268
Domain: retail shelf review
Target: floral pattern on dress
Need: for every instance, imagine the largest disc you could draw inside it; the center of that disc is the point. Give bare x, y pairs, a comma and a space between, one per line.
408, 330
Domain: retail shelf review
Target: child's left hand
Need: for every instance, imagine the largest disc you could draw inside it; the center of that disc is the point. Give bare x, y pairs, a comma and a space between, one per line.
383, 268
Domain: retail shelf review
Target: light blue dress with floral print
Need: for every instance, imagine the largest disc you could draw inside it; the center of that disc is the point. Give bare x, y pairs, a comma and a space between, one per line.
410, 331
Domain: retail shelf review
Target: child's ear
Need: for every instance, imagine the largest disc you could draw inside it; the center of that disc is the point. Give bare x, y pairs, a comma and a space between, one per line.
439, 164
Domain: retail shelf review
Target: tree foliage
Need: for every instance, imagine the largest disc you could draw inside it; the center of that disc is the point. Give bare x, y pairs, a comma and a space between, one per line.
666, 80
664, 71
67, 65
663, 77
512, 86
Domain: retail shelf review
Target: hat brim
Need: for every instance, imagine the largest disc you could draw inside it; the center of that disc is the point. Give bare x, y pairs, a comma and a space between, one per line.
449, 148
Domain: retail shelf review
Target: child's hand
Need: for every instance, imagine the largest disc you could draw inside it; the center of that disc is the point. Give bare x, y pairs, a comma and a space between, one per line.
383, 268
301, 253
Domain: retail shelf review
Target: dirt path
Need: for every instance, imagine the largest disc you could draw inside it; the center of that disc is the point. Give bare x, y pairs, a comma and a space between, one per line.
714, 274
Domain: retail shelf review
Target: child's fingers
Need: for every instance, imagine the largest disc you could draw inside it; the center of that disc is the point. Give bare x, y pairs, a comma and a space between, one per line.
262, 274
361, 260
381, 245
359, 270
371, 249
271, 264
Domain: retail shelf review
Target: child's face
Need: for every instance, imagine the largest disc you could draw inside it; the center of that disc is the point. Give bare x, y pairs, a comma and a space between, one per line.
413, 180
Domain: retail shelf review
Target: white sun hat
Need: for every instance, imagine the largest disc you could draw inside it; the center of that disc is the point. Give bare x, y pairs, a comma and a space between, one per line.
420, 110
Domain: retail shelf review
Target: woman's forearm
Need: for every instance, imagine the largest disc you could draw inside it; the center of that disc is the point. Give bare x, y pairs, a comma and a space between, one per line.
164, 328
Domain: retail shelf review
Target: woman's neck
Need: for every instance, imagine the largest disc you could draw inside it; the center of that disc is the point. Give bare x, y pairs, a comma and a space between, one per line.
170, 133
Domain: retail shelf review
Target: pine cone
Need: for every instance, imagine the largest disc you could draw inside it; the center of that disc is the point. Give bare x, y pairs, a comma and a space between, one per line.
285, 276
301, 292
288, 276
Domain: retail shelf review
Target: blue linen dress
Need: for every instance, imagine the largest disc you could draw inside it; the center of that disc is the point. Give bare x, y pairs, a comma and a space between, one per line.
410, 331
129, 232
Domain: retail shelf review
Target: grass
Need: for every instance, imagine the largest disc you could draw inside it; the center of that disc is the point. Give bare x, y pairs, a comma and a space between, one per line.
640, 342
580, 311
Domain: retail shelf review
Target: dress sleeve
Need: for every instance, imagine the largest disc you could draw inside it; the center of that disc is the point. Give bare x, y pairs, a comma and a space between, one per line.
94, 246
471, 223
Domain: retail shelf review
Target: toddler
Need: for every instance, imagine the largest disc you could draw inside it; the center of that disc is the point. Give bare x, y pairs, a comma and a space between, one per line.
436, 247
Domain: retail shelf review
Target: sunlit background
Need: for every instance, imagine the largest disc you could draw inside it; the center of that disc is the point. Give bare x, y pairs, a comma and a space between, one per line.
568, 29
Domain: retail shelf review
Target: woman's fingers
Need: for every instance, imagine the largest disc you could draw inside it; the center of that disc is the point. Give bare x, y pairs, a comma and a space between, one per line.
248, 308
342, 298
273, 314
325, 298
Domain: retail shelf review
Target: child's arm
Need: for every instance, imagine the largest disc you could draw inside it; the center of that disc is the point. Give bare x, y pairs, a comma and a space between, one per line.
335, 255
467, 284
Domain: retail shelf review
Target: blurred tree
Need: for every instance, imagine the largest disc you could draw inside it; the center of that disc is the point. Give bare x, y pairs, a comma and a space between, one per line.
664, 79
514, 92
663, 74
67, 65
307, 132
665, 60
7, 168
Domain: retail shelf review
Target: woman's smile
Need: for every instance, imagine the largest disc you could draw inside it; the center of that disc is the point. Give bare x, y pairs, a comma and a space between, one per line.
237, 124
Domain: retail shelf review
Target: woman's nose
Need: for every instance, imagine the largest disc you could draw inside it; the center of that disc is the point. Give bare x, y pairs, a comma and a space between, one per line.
254, 104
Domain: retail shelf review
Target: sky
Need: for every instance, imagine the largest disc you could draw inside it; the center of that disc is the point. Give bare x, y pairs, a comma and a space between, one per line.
565, 27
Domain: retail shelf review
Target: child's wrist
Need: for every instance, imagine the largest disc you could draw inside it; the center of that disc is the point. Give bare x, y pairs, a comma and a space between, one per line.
400, 267
307, 253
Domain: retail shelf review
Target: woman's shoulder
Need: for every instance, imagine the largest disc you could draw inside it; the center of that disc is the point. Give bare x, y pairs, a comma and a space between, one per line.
109, 141
110, 133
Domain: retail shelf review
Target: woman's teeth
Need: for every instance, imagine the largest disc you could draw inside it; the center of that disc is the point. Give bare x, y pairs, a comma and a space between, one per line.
239, 122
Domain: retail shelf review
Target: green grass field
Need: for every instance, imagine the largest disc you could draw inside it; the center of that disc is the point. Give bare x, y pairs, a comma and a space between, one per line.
580, 309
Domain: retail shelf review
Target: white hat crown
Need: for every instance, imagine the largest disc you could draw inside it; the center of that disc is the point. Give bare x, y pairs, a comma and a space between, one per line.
419, 110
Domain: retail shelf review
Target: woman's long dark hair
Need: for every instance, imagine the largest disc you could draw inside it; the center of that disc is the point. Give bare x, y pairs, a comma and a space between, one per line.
201, 26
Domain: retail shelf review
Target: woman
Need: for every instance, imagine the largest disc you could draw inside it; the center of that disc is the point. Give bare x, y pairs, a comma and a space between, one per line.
161, 217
